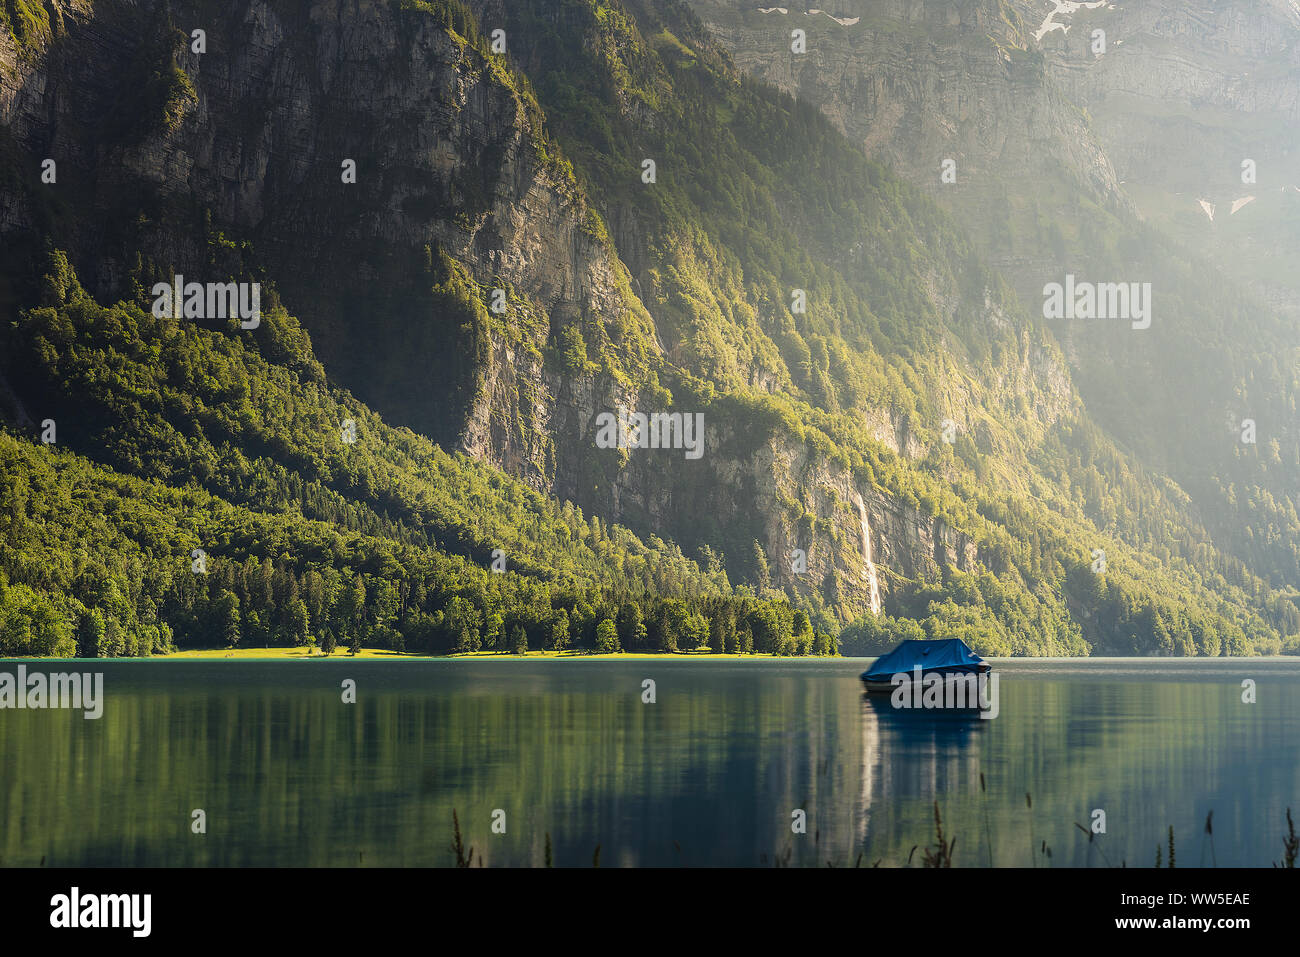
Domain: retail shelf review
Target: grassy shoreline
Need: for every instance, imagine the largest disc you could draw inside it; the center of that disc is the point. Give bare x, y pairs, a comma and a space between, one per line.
342, 654
315, 654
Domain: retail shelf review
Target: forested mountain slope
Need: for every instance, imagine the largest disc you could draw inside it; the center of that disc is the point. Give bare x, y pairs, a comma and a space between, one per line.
1143, 142
889, 437
240, 499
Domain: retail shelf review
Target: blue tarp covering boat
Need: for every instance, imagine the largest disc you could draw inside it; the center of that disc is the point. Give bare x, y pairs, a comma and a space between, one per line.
945, 656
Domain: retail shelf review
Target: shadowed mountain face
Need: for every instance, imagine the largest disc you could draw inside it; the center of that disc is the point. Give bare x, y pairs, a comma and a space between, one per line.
506, 224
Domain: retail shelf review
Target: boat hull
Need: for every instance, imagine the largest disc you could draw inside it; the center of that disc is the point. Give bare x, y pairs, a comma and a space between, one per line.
886, 685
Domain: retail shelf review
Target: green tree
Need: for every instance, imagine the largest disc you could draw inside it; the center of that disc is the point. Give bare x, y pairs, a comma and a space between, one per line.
631, 627
299, 623
462, 623
696, 632
721, 626
113, 644
606, 637
559, 636
354, 605
494, 633
90, 633
227, 616
671, 624
519, 640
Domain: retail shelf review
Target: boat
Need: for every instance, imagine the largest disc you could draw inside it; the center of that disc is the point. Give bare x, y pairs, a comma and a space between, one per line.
944, 657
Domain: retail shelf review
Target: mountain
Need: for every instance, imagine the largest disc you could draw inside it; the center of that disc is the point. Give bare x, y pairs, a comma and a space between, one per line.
499, 241
1082, 137
196, 489
1196, 104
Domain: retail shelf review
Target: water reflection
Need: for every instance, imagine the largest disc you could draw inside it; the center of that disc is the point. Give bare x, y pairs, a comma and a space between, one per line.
709, 775
914, 753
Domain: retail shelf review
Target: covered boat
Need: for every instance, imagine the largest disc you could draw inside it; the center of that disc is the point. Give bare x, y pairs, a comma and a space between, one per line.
947, 656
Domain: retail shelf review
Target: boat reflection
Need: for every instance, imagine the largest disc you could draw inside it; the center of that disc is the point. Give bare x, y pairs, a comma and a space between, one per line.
914, 753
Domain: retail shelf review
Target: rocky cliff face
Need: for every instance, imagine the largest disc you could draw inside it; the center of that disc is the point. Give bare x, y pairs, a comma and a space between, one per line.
447, 155
231, 162
1152, 140
1149, 107
1186, 95
922, 85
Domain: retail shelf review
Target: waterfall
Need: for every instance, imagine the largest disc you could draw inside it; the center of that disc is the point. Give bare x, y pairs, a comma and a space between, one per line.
868, 566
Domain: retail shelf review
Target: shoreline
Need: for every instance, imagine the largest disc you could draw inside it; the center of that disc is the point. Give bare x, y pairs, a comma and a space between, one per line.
377, 654
373, 654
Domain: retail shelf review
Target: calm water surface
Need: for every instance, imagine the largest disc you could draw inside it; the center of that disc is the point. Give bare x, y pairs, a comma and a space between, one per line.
708, 775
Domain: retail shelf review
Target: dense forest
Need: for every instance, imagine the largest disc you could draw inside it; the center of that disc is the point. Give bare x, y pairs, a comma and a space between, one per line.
232, 511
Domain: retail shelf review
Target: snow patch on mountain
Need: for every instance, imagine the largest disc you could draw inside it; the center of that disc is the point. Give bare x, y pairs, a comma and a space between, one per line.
1066, 8
842, 21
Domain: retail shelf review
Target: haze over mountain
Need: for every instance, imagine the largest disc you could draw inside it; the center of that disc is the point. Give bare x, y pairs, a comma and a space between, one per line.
482, 243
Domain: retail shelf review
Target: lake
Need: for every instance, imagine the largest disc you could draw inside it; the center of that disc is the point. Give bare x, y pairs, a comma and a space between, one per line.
709, 774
